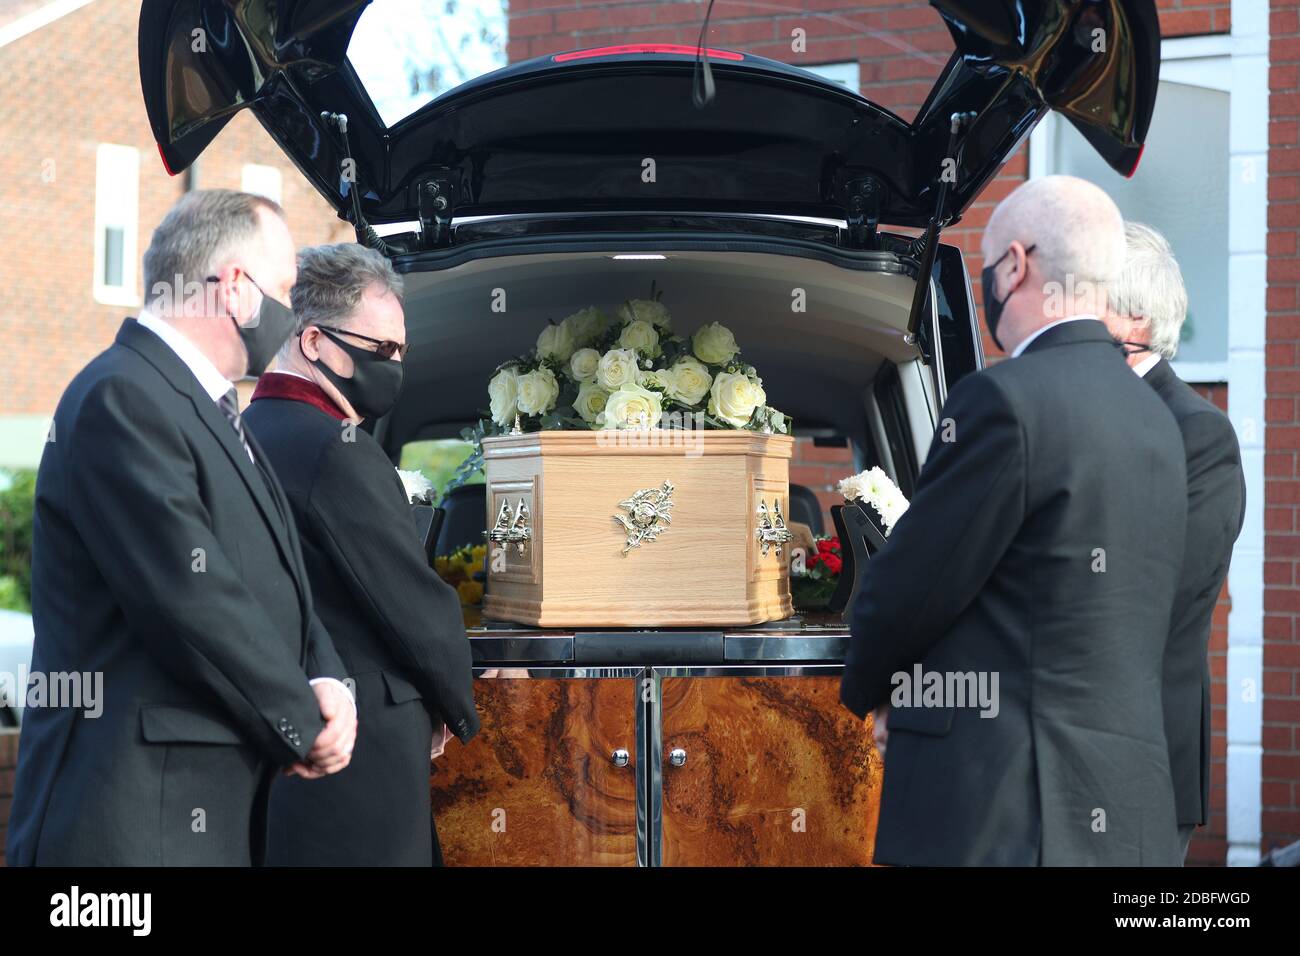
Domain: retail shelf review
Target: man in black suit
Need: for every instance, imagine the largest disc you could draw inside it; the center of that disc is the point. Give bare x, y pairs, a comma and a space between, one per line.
1016, 620
164, 560
397, 625
1147, 311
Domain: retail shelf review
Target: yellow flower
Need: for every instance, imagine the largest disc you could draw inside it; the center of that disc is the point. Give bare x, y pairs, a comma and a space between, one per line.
471, 592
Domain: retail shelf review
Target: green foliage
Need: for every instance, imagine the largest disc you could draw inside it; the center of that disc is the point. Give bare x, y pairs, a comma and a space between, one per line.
446, 462
17, 505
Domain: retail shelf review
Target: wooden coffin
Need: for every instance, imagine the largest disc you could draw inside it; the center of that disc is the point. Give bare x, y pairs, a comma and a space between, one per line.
638, 529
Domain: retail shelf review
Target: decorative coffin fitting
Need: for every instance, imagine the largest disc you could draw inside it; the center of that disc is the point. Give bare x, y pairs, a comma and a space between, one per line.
638, 529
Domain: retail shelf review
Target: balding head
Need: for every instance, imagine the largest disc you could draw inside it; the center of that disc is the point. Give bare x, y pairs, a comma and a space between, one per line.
1061, 243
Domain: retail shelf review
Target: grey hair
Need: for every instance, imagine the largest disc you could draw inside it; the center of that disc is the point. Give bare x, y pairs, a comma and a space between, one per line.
1150, 287
332, 279
203, 229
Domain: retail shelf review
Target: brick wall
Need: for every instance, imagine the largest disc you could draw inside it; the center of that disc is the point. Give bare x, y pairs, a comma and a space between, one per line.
8, 760
1280, 800
67, 88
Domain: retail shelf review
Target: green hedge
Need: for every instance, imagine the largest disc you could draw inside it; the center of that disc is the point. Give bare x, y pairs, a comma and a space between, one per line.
17, 502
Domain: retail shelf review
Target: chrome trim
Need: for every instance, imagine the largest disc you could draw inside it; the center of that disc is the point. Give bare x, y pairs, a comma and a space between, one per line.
555, 673
538, 648
762, 647
641, 709
655, 770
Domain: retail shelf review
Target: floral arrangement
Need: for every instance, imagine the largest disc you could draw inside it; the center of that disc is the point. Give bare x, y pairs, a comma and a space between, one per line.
875, 488
459, 569
419, 489
812, 587
590, 371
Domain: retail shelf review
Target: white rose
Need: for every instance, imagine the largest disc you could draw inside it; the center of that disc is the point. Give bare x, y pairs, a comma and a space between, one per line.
583, 365
503, 394
585, 326
617, 367
714, 344
654, 377
734, 397
645, 310
590, 402
640, 335
538, 391
555, 342
632, 407
689, 381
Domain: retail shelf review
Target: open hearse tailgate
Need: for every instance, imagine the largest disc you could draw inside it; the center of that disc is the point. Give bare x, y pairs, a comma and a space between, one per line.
571, 132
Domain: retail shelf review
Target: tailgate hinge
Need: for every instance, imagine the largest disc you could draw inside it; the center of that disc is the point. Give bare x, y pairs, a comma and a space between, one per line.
435, 205
866, 197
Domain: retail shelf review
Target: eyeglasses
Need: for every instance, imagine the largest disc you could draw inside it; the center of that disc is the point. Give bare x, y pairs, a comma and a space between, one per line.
384, 348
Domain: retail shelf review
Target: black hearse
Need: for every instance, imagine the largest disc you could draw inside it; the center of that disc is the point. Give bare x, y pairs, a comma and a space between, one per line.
739, 186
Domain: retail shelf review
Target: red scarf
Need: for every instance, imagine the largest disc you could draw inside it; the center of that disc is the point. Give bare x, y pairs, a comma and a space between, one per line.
295, 389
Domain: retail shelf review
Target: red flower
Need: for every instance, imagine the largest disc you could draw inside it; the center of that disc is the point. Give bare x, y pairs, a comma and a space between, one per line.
833, 563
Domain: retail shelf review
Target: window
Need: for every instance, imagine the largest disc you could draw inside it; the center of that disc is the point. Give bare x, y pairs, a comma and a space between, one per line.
1180, 188
845, 74
117, 194
261, 181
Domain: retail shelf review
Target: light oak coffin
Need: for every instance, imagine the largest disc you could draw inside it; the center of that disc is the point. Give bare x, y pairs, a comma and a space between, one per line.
706, 566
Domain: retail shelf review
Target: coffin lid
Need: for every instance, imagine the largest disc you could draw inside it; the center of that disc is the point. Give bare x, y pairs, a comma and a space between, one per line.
570, 132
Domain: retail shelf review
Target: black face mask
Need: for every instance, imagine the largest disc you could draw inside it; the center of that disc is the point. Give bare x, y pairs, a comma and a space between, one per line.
375, 383
992, 307
1135, 348
265, 332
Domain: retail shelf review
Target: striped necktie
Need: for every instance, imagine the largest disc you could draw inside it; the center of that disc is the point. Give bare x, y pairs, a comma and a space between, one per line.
229, 404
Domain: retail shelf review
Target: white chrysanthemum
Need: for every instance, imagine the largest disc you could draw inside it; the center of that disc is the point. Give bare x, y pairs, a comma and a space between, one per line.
416, 486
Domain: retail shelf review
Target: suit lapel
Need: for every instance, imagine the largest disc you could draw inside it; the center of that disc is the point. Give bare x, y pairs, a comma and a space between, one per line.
161, 357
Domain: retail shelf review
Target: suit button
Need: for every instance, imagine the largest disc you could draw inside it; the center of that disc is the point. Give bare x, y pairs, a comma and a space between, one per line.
284, 723
462, 725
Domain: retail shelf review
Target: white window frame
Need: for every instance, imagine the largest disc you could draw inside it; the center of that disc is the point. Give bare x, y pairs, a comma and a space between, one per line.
117, 203
1195, 61
261, 180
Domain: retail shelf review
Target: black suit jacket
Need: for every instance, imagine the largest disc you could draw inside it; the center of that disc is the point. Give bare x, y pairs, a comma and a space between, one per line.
1043, 546
398, 628
1216, 508
162, 559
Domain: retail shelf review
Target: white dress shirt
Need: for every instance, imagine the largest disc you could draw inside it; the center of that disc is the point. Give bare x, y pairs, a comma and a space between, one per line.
215, 384
1024, 344
1147, 364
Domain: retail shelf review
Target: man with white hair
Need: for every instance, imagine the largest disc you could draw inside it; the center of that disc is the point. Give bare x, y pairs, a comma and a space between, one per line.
1146, 314
1039, 559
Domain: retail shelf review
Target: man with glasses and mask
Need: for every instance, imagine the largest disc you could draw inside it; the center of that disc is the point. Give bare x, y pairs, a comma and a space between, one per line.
165, 559
396, 624
1039, 560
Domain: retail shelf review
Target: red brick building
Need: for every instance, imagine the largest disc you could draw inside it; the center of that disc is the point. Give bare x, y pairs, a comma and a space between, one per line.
81, 188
